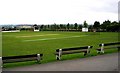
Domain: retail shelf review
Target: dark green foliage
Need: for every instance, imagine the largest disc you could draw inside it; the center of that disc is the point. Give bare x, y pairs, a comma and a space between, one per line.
96, 25
85, 24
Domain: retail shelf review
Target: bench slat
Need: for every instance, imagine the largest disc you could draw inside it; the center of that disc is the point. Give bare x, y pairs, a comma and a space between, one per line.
11, 59
76, 48
19, 60
108, 44
71, 52
17, 57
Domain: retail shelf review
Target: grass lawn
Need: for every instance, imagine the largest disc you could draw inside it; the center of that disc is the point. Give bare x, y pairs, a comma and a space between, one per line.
23, 43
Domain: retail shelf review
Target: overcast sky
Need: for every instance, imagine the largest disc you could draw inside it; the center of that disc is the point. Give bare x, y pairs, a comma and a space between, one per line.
57, 11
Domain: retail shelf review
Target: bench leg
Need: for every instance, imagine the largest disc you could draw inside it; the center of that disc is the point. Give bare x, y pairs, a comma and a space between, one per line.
98, 52
118, 48
57, 57
1, 65
102, 48
103, 52
88, 50
37, 61
85, 53
39, 58
88, 53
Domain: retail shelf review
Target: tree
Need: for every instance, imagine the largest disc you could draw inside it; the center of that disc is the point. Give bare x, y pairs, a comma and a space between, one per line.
35, 26
91, 28
64, 27
111, 26
71, 26
48, 27
80, 27
105, 25
75, 26
96, 25
68, 26
41, 27
3, 28
54, 26
114, 26
85, 24
61, 26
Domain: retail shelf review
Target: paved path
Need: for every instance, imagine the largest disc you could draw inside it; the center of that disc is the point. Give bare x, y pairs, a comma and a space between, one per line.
108, 62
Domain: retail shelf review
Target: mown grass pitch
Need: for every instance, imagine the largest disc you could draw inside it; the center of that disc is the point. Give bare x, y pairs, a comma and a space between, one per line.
23, 43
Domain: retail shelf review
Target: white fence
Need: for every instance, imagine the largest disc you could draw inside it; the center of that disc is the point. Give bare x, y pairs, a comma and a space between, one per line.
12, 31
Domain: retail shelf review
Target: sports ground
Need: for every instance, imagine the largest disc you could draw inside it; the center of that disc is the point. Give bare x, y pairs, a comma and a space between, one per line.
46, 42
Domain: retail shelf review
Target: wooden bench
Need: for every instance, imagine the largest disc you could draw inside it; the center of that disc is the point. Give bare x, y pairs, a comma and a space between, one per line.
60, 52
12, 59
108, 46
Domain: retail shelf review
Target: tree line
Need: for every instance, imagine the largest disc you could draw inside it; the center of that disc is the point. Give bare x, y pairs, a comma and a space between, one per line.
106, 26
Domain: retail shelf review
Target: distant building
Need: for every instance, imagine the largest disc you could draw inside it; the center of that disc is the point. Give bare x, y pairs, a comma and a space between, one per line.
36, 28
25, 26
28, 27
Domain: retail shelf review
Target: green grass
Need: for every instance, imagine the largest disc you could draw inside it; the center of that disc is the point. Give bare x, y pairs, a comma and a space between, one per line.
23, 43
0, 44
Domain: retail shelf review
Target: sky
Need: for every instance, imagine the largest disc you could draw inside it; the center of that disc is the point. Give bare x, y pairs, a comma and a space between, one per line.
57, 11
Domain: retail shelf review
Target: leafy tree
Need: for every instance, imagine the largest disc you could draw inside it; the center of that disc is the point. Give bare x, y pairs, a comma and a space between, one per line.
91, 28
54, 26
105, 24
68, 26
35, 26
61, 26
75, 26
96, 25
3, 28
85, 24
48, 27
41, 27
64, 27
80, 27
113, 27
71, 26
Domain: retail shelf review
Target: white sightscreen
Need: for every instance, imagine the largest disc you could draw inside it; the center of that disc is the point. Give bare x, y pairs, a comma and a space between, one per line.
84, 29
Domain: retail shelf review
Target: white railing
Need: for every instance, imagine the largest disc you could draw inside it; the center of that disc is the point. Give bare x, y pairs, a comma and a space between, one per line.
12, 31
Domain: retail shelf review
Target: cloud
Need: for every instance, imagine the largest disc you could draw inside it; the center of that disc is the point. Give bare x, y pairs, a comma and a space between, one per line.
107, 6
57, 11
